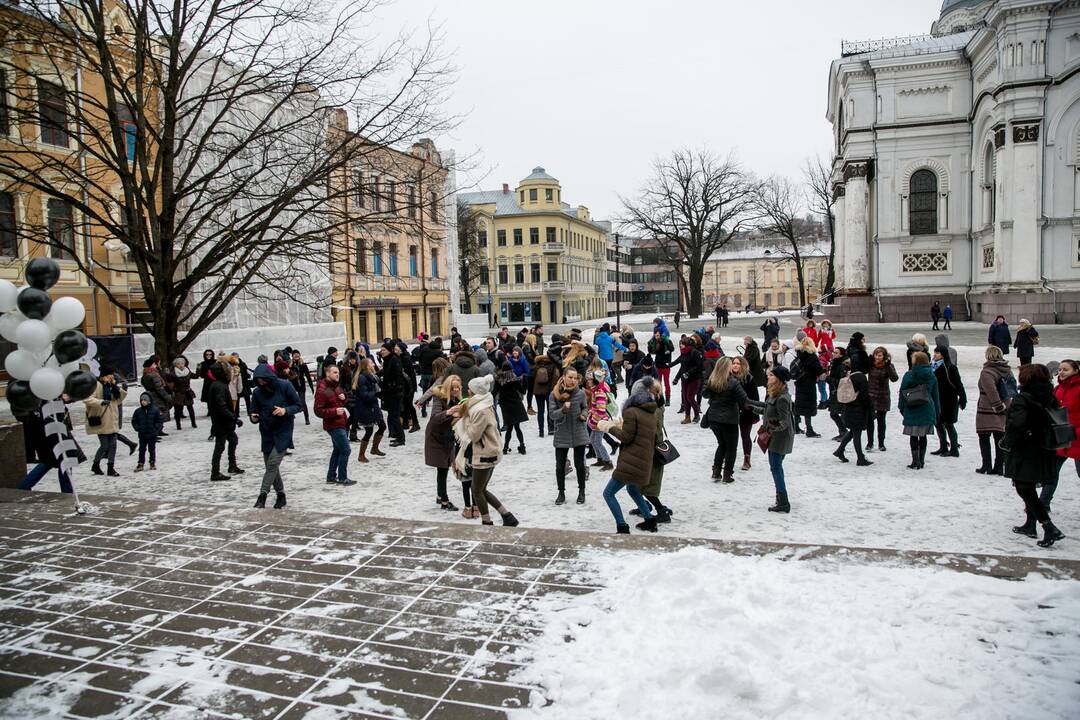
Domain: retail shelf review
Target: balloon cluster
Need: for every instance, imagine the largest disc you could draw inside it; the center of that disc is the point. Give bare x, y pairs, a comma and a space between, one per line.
47, 363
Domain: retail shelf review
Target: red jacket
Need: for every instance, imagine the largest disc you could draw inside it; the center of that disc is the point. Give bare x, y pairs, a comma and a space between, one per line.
1068, 394
328, 398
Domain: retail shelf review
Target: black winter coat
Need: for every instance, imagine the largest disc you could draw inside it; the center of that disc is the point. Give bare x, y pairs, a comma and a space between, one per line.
392, 378
752, 354
1025, 342
146, 421
770, 332
753, 394
880, 393
365, 401
661, 351
951, 392
858, 358
222, 417
856, 415
691, 365
837, 372
1000, 337
1028, 463
726, 405
511, 391
203, 372
806, 375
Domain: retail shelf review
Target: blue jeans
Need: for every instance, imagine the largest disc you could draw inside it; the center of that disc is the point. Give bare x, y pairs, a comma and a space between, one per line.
776, 467
823, 390
597, 439
41, 470
615, 486
339, 458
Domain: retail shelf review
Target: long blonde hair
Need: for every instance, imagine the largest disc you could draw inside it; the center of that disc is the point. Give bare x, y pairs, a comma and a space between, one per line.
744, 368
443, 389
721, 374
576, 351
530, 340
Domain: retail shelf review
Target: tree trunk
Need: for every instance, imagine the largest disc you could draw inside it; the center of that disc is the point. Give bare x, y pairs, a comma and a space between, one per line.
693, 300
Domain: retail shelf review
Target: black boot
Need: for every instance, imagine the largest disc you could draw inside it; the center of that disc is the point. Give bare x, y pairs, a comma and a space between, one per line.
261, 501
716, 473
96, 469
280, 502
112, 472
1050, 535
1028, 528
623, 529
581, 496
560, 499
509, 520
914, 459
235, 469
218, 477
863, 462
647, 525
781, 505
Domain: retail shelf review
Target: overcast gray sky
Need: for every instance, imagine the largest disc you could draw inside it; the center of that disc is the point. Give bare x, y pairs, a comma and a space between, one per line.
594, 90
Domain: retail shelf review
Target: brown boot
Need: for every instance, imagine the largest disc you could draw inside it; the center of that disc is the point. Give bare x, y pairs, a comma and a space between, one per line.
686, 420
375, 444
363, 451
745, 462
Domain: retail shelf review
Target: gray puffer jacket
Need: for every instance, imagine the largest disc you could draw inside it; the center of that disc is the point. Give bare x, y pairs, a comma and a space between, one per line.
570, 429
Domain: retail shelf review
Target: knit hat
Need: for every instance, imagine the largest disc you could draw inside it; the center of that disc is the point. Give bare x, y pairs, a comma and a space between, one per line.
149, 361
782, 373
481, 385
388, 346
331, 350
146, 396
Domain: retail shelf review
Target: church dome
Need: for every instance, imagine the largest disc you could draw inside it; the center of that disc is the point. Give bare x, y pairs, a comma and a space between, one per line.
950, 5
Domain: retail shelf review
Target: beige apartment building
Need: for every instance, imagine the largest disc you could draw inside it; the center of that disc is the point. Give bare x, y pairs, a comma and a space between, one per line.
545, 261
750, 271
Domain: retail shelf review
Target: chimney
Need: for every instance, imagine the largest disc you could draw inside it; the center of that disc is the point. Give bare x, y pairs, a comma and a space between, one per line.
506, 189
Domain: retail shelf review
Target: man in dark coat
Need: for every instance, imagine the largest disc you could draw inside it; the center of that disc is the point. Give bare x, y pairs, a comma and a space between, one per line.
273, 405
223, 421
999, 335
393, 381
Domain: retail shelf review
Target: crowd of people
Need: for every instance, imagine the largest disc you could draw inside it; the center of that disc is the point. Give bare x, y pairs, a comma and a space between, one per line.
479, 400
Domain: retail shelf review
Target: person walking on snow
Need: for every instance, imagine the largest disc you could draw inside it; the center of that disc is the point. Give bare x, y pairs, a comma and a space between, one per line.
273, 406
223, 422
330, 404
999, 335
947, 315
1027, 337
935, 314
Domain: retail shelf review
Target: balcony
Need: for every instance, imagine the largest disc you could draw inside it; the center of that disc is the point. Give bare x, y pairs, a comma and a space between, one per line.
554, 248
554, 286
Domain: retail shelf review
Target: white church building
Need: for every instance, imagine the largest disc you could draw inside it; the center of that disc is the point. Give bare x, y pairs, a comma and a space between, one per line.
957, 171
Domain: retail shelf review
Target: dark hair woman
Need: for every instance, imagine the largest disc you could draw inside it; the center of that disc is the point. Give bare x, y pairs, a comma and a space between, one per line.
1028, 463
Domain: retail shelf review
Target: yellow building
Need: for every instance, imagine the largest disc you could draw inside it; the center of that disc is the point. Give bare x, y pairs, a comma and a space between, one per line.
389, 263
40, 85
546, 262
752, 272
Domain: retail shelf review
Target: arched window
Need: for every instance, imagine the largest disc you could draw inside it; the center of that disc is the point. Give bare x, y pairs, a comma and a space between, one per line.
922, 203
989, 184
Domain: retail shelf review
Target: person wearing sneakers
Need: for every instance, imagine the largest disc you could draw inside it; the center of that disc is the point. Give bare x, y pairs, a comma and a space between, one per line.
330, 405
273, 405
146, 421
477, 433
366, 410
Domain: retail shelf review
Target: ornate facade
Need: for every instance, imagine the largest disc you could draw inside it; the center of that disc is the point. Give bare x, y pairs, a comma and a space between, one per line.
957, 170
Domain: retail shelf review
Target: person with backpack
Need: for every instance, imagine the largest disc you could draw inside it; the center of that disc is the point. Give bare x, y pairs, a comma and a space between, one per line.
1031, 445
856, 408
881, 373
997, 388
920, 405
1027, 337
838, 370
953, 400
545, 375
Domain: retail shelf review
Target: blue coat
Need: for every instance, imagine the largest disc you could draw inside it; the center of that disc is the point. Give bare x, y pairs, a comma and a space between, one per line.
947, 312
365, 406
999, 337
926, 414
605, 346
662, 327
277, 432
520, 366
147, 422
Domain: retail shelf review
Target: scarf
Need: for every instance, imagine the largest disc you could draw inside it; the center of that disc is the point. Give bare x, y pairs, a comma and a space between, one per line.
935, 364
181, 372
471, 427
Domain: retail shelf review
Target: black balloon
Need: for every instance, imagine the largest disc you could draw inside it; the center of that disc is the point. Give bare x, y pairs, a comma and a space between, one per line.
79, 385
34, 304
21, 398
69, 346
42, 273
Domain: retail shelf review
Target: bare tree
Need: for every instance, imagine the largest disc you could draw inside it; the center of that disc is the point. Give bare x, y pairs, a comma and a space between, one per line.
816, 175
471, 255
781, 207
200, 142
693, 205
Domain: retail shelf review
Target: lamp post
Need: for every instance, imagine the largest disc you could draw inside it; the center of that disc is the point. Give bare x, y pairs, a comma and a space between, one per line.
618, 285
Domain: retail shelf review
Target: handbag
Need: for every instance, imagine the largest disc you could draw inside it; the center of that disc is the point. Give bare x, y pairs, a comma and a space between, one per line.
763, 439
917, 396
665, 453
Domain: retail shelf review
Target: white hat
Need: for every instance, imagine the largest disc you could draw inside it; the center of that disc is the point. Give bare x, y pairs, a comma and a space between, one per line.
481, 385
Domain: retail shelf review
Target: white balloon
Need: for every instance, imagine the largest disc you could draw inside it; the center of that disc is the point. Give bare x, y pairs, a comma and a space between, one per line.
67, 313
9, 323
47, 383
32, 335
68, 368
9, 296
21, 364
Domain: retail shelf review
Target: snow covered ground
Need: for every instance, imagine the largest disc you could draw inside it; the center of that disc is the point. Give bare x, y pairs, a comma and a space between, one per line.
810, 639
947, 507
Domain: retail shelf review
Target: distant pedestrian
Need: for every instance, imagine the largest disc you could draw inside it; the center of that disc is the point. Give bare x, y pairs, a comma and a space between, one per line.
179, 382
999, 335
947, 315
678, 316
935, 314
1027, 337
